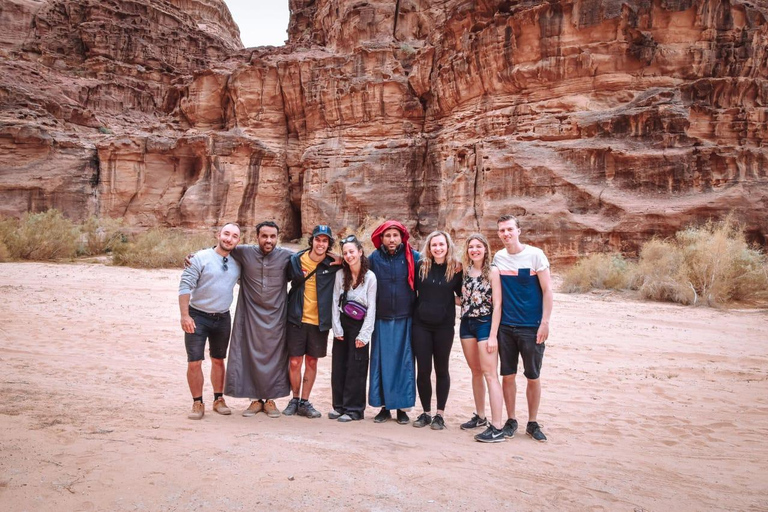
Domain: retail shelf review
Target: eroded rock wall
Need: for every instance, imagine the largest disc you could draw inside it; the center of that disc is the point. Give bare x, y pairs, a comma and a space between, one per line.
599, 122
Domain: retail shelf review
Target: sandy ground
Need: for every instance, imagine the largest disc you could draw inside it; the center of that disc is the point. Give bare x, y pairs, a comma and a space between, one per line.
647, 407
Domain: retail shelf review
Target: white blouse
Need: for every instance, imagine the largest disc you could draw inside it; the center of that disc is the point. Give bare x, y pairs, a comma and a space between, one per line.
365, 294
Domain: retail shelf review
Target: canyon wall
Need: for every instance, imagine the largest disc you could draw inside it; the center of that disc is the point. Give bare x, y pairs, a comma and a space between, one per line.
600, 123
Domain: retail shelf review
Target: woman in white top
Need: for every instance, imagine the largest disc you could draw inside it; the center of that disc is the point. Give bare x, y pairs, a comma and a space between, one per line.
354, 313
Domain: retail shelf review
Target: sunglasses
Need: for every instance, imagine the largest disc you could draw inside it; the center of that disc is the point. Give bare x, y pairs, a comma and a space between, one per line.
225, 263
350, 238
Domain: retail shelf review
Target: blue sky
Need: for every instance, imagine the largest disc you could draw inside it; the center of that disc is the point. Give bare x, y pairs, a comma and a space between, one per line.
261, 22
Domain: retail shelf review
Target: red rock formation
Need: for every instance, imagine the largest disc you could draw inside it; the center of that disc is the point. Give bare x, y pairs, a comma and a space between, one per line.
600, 122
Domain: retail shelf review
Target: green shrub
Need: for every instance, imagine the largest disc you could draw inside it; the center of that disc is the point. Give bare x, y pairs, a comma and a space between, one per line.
160, 248
40, 236
598, 271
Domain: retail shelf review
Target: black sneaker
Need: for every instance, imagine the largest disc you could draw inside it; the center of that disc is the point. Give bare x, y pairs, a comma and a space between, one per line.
475, 422
533, 430
423, 420
509, 428
402, 418
306, 409
292, 407
491, 435
438, 423
384, 415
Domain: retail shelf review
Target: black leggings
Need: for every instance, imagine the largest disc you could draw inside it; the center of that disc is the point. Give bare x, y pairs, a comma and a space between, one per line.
432, 343
349, 371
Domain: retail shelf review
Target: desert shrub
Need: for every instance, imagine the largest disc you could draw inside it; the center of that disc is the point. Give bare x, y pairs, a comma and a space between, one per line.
101, 235
711, 264
8, 227
408, 49
660, 273
5, 254
41, 236
598, 271
160, 248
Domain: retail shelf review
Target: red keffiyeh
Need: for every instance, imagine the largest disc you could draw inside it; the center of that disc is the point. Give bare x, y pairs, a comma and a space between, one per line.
376, 239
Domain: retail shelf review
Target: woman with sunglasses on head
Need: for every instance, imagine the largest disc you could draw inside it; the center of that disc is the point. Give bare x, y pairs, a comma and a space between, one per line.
438, 283
480, 291
354, 313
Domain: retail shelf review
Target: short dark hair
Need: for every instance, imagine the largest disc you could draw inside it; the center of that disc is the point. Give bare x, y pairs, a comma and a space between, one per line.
266, 224
505, 218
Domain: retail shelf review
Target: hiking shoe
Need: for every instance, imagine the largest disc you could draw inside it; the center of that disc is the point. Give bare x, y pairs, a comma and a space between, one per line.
292, 407
423, 420
509, 428
533, 430
255, 408
475, 422
198, 411
220, 406
491, 435
271, 409
333, 414
402, 417
306, 409
384, 415
438, 423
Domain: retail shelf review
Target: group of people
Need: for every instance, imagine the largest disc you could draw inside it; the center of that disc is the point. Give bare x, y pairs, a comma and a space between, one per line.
399, 302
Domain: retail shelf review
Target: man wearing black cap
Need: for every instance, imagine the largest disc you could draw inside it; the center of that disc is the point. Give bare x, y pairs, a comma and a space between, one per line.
310, 304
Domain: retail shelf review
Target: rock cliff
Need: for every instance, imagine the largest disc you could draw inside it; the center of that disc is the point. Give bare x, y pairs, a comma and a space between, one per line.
600, 122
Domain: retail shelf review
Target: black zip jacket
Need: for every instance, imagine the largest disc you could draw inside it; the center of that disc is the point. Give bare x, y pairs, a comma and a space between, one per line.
325, 276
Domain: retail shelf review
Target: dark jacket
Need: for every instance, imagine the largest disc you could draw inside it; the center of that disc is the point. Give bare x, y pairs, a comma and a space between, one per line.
325, 277
394, 297
435, 304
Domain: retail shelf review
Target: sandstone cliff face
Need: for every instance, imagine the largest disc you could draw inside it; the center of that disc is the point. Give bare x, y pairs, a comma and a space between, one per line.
600, 122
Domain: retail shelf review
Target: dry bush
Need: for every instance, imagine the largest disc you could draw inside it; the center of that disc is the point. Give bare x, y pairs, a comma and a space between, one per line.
598, 271
660, 273
40, 236
711, 264
8, 227
102, 235
5, 254
160, 248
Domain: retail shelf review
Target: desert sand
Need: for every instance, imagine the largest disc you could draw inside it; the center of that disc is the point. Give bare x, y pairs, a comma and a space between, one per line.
647, 406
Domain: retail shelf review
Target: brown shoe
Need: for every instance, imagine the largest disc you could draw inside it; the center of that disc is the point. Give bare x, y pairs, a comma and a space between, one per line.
256, 407
198, 411
220, 406
271, 409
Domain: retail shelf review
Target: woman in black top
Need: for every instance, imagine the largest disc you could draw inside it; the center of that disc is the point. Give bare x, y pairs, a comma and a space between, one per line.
438, 283
481, 291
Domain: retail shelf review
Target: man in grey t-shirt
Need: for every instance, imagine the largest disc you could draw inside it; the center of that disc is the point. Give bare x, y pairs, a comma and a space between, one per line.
205, 296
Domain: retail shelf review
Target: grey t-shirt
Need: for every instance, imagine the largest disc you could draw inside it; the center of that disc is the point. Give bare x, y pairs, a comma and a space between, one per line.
209, 285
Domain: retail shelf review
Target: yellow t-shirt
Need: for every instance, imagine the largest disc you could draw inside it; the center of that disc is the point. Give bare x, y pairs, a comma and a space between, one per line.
310, 314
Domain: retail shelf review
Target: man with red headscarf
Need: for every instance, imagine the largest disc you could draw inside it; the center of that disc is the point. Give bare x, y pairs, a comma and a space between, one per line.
392, 382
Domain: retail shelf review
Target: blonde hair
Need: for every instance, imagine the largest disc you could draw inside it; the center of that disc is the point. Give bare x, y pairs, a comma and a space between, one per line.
427, 259
485, 269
